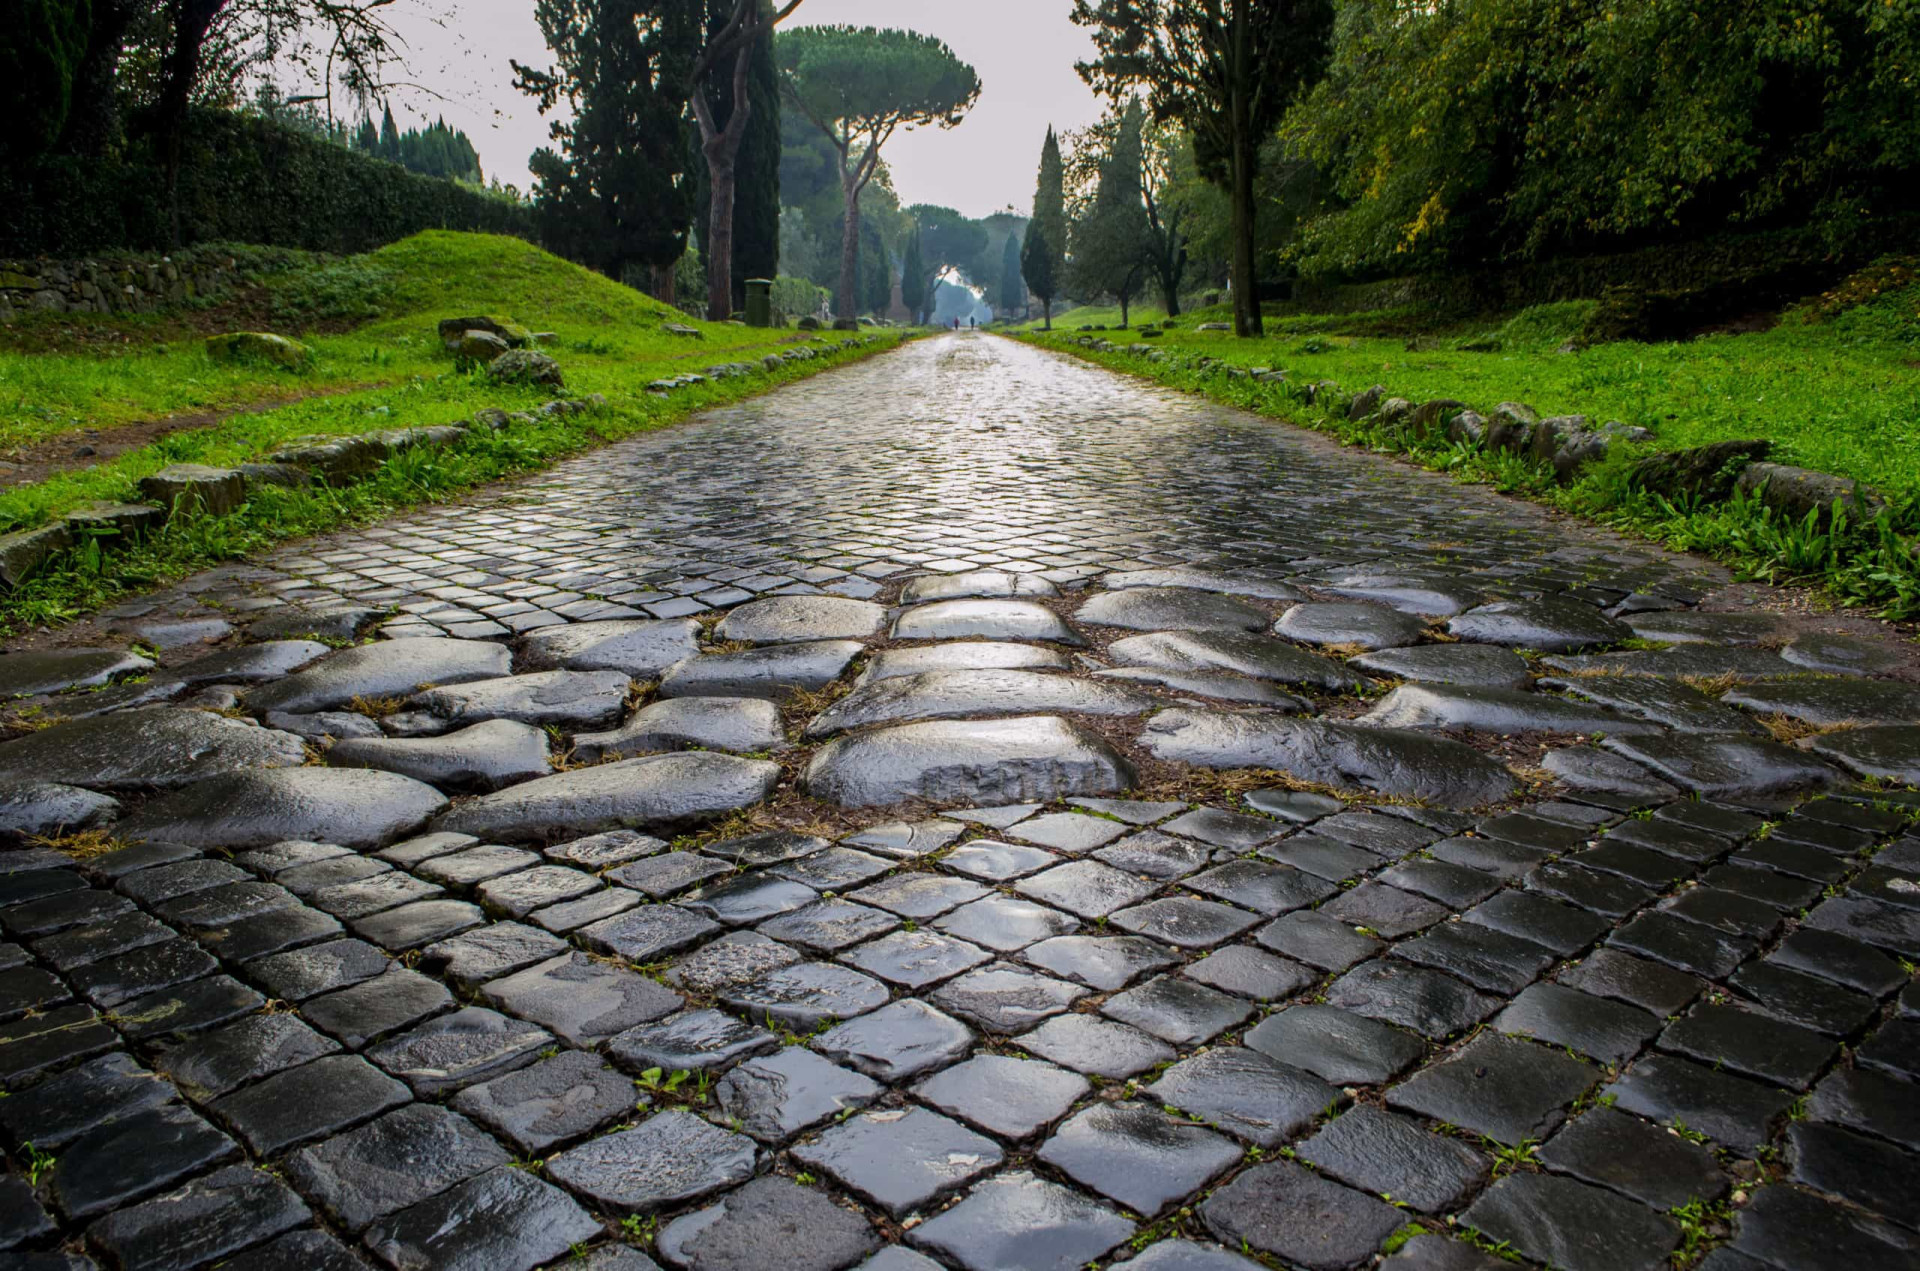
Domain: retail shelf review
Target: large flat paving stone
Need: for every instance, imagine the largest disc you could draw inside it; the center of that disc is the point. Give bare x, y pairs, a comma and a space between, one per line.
653, 792
1245, 1093
1018, 1220
503, 1220
1550, 625
639, 648
965, 694
202, 1221
1283, 1209
1350, 623
398, 1160
1478, 665
771, 673
583, 1000
1891, 753
1386, 761
984, 762
1171, 609
797, 619
554, 1101
981, 583
1724, 765
1566, 1223
130, 1157
45, 809
767, 1223
1465, 708
388, 668
1137, 1155
900, 1158
484, 756
32, 671
738, 724
962, 655
354, 808
1824, 701
150, 748
1201, 580
1255, 656
668, 1160
572, 700
984, 619
1669, 703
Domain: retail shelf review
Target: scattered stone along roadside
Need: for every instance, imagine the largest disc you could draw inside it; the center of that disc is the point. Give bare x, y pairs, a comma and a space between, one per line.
743, 849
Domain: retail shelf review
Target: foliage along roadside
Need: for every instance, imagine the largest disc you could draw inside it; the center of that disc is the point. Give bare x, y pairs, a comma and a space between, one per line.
1875, 563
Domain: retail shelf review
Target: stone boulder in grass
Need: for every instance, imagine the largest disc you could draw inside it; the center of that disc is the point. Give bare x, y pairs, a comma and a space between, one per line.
259, 348
453, 330
523, 366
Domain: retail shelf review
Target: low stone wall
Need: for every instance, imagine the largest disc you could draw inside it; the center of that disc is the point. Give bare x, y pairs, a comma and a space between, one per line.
128, 285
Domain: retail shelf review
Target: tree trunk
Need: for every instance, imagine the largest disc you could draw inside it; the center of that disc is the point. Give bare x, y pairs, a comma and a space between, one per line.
720, 177
191, 23
93, 121
1123, 311
1242, 159
663, 282
845, 301
1048, 301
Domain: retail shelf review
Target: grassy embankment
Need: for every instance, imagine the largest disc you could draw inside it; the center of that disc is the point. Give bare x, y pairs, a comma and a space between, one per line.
378, 364
1835, 385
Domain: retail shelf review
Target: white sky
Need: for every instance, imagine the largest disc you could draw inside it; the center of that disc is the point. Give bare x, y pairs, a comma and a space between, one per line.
1024, 51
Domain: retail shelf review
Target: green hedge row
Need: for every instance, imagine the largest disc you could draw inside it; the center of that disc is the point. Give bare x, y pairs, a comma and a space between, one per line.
242, 180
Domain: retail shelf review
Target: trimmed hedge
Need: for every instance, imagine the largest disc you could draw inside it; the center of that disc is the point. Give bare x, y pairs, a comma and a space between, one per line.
245, 180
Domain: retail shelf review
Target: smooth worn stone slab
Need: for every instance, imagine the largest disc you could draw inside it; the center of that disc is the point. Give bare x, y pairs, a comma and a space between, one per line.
1283, 1209
130, 1157
1584, 768
690, 1040
769, 673
150, 748
1874, 1102
807, 995
1840, 654
1828, 701
422, 922
1249, 972
829, 926
572, 700
489, 952
1155, 855
915, 959
1572, 1225
1463, 708
357, 809
113, 981
200, 1222
1184, 921
1245, 1093
1171, 609
1735, 1112
1384, 1154
1790, 995
1499, 1087
1895, 928
45, 809
34, 671
1259, 657
215, 1063
639, 648
385, 669
1723, 765
1550, 625
248, 663
371, 1009
1268, 890
573, 914
1668, 703
900, 1158
1891, 753
1789, 1227
642, 935
38, 1042
1703, 660
965, 694
1387, 761
778, 1096
1875, 1175
997, 862
1071, 832
471, 1044
748, 898
1005, 924
518, 894
484, 756
1318, 940
1485, 958
399, 1160
504, 1220
967, 655
796, 619
1011, 1098
669, 1159
309, 1102
900, 1040
63, 1107
1477, 665
331, 621
769, 1222
987, 619
1216, 684
1431, 1004
1613, 1150
1095, 1046
655, 792
582, 1000
1366, 626
735, 958
1201, 580
1017, 1220
599, 851
554, 1101
1611, 1032
1685, 626
1032, 757
299, 974
1138, 1156
1177, 1010
743, 725
982, 583
906, 840
1004, 998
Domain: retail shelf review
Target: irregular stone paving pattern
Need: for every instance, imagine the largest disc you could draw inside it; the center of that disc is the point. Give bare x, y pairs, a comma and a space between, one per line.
1151, 968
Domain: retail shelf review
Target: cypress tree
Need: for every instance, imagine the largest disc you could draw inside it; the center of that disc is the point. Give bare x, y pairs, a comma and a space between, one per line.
1043, 255
1013, 292
389, 137
913, 282
756, 195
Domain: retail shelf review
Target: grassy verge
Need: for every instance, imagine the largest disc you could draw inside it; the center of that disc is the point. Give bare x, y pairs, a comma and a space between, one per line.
608, 339
1873, 564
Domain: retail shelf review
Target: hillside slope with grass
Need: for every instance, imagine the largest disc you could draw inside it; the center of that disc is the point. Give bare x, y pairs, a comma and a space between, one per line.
74, 383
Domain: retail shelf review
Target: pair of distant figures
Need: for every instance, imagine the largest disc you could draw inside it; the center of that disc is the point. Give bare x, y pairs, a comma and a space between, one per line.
971, 323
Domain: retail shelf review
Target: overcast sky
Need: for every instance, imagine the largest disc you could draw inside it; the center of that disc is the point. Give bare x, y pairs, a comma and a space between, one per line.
1024, 51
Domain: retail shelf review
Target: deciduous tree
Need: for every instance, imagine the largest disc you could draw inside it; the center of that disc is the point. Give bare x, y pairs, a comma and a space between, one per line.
1110, 238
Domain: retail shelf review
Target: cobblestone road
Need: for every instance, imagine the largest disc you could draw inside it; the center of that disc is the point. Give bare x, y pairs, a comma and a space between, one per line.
964, 810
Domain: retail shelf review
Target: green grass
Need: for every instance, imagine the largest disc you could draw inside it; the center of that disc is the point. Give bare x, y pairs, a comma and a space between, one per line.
607, 338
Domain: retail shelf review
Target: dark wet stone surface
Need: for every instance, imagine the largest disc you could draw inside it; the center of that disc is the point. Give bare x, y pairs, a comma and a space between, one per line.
1138, 1156
768, 1222
690, 1040
767, 673
1228, 688
355, 809
130, 1157
44, 809
640, 648
989, 619
1463, 708
1380, 1153
550, 1102
63, 1107
309, 1102
1734, 1111
1500, 1087
25, 673
400, 1159
214, 1063
1036, 757
1891, 753
1875, 1175
659, 792
807, 995
505, 1219
1825, 701
1788, 1227
1282, 1209
1667, 703
205, 1219
969, 694
1009, 1098
1245, 1093
1095, 1046
1367, 626
1550, 625
1413, 997
1248, 972
1609, 1031
1610, 1149
151, 748
777, 1096
1170, 609
967, 655
1706, 661
581, 1000
1317, 939
469, 1045
1184, 921
1470, 664
483, 756
915, 959
386, 668
1004, 998
738, 724
900, 1158
1573, 1225
1255, 656
795, 619
669, 1159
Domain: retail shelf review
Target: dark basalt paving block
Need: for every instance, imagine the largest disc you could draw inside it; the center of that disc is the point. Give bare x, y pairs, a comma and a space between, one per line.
1673, 837
916, 959
423, 922
1733, 1111
1706, 661
835, 869
897, 1041
1611, 894
788, 1092
1000, 818
988, 619
1894, 928
1170, 609
309, 1102
582, 1000
1867, 1172
973, 694
1625, 1154
1200, 580
794, 619
803, 997
164, 882
1177, 1010
768, 847
1600, 775
31, 882
1502, 860
996, 862
314, 877
1686, 945
600, 851
670, 1159
202, 1221
1502, 711
646, 934
1431, 1252
1782, 891
1216, 684
1004, 998
150, 748
1895, 1048
1483, 957
470, 960
1221, 828
1268, 890
1454, 886
30, 671
519, 894
113, 981
471, 1044
504, 1220
355, 808
901, 1158
1612, 1032
1318, 940
399, 1160
1824, 701
1368, 626
29, 988
1667, 703
214, 1063
1550, 625
131, 1157
175, 1013
1137, 1156
641, 648
828, 926
1011, 1098
1427, 1002
1799, 998
655, 792
56, 913
225, 905
669, 873
690, 1040
1722, 765
1104, 963
1726, 911
1025, 757
991, 583
1087, 888
63, 1107
386, 668
412, 852
918, 896
1890, 752
483, 756
1245, 1093
904, 840
1795, 859
1184, 921
476, 865
1751, 1044
1392, 762
307, 1250
733, 959
1648, 868
357, 1015
1376, 832
1570, 1224
1098, 1047
1282, 1209
766, 673
1248, 972
1470, 664
1556, 827
1383, 1154
768, 1222
1870, 1101
1496, 1086
1071, 832
59, 1036
1888, 886
1019, 1220
1255, 656
1839, 958
972, 655
1788, 1227
554, 1101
